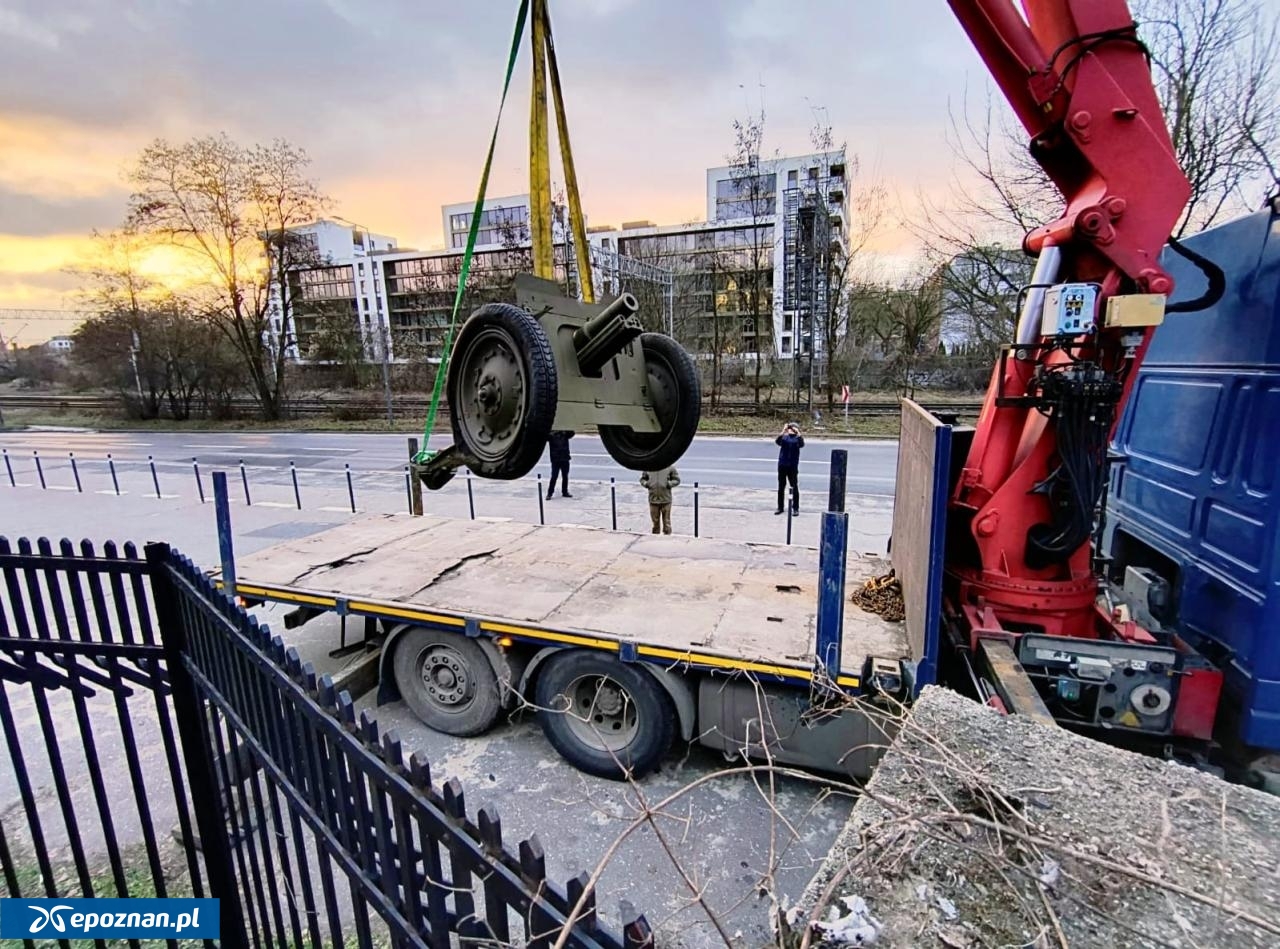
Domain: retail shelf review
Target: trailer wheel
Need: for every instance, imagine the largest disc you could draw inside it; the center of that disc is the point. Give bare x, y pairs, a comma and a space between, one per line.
502, 391
448, 681
606, 718
677, 401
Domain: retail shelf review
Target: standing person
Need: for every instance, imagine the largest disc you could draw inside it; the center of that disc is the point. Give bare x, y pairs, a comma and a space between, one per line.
660, 484
789, 444
558, 443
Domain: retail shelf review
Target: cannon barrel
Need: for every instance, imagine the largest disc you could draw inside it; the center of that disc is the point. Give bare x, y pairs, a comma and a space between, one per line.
604, 335
625, 305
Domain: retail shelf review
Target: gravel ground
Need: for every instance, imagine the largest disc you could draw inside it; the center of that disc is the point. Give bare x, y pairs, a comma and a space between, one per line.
980, 830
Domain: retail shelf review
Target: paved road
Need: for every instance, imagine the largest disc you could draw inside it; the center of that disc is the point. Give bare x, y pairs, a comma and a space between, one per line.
715, 462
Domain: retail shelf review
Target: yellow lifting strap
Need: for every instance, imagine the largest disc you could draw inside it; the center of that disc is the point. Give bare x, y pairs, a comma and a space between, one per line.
544, 59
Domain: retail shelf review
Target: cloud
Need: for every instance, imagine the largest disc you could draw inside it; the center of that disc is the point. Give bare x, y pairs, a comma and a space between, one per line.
395, 102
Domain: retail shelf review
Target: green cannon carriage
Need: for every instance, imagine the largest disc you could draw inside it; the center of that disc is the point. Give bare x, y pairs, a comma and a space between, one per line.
551, 362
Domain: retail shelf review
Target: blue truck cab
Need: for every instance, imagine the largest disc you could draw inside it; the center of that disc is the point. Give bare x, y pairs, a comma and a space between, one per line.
1194, 508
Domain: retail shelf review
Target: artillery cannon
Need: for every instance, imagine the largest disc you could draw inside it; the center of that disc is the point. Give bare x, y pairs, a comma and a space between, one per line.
552, 362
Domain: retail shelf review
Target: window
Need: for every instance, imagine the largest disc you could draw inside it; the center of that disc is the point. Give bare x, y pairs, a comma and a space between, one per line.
786, 346
361, 270
793, 178
751, 196
813, 174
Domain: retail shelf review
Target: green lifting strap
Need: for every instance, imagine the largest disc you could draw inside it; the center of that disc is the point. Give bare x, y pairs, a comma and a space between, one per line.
442, 370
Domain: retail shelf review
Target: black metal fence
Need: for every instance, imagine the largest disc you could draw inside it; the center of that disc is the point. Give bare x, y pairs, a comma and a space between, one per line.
307, 822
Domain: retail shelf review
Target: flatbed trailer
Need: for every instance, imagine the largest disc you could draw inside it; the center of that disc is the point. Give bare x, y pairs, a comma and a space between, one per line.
618, 639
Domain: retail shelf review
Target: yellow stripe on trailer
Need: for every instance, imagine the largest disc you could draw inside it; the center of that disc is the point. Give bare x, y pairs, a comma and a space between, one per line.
387, 611
380, 609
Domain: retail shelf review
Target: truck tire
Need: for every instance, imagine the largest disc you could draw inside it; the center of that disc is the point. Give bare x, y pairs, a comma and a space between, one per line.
447, 681
502, 388
604, 717
677, 400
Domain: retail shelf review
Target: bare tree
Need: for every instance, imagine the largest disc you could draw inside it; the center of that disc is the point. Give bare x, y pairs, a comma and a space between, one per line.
903, 322
750, 268
1214, 65
867, 211
233, 209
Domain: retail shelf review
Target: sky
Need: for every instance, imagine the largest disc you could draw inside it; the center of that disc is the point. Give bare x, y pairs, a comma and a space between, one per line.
394, 101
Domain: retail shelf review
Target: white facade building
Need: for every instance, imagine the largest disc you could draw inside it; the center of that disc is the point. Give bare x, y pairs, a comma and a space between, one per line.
787, 208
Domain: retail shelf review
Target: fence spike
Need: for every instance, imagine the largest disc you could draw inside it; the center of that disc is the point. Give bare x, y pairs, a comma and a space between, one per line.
345, 706
636, 933
293, 662
533, 859
455, 803
419, 772
392, 750
44, 547
86, 547
574, 889
490, 828
309, 678
24, 545
368, 725
65, 548
4, 546
130, 551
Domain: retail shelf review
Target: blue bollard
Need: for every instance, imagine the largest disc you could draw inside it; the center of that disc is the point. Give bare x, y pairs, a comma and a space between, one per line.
75, 472
542, 514
471, 498
155, 478
351, 489
244, 479
115, 482
297, 497
9, 467
408, 489
613, 500
39, 468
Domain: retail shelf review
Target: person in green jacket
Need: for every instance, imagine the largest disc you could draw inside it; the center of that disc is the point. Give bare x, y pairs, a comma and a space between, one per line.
660, 484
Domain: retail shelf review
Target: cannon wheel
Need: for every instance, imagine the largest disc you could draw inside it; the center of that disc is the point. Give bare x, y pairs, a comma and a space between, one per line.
677, 400
502, 391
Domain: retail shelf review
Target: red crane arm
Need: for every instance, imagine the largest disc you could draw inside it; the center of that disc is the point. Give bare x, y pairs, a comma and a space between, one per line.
1078, 79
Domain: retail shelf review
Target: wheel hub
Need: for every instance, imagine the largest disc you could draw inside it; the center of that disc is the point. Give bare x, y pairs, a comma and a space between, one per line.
494, 396
601, 713
445, 676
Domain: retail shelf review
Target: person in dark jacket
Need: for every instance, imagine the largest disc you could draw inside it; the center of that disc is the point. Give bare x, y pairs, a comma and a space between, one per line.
789, 444
558, 444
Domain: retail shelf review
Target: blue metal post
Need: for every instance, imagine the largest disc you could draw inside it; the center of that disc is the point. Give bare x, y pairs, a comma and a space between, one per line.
351, 489
244, 478
39, 468
115, 482
408, 489
542, 514
695, 509
226, 551
155, 478
790, 508
839, 469
75, 472
195, 466
471, 498
8, 465
613, 500
831, 569
297, 495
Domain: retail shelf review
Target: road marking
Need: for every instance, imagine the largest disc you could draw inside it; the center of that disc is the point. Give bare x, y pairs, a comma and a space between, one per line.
273, 504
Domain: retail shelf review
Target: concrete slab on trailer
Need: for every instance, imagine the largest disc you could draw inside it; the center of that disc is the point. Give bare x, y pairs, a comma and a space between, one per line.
981, 830
731, 599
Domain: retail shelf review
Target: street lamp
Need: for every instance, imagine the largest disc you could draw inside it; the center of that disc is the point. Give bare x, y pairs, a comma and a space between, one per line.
383, 342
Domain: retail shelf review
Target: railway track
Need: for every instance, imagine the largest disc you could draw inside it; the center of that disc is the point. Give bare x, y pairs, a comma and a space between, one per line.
404, 406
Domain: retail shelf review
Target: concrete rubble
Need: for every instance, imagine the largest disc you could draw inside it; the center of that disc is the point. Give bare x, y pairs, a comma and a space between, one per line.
983, 830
